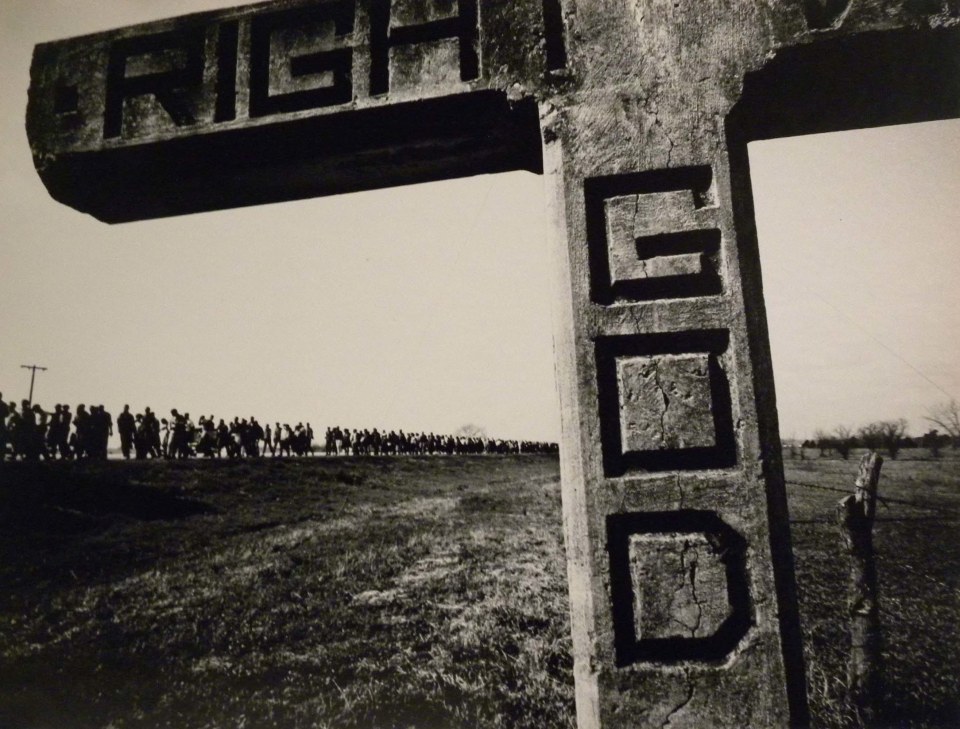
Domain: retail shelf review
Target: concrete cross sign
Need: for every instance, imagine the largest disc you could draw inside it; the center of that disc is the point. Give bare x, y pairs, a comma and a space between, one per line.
638, 113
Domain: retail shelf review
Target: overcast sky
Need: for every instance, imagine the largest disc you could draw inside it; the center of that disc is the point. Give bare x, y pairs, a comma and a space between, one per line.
428, 307
860, 248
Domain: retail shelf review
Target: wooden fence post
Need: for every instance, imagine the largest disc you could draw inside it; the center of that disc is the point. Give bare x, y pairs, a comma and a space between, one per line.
855, 514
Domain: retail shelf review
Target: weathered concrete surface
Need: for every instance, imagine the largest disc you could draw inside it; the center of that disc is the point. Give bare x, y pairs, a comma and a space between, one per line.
665, 402
639, 113
679, 586
289, 99
648, 145
657, 235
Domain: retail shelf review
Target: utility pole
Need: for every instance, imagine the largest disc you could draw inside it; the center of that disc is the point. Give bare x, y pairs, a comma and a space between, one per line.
33, 373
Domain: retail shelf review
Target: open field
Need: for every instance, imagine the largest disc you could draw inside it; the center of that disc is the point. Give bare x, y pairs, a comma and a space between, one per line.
388, 592
295, 593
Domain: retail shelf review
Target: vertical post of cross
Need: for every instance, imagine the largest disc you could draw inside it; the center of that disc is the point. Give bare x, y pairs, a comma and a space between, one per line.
682, 593
675, 524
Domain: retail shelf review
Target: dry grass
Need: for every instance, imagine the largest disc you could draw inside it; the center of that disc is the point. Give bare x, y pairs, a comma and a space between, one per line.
918, 560
388, 593
381, 593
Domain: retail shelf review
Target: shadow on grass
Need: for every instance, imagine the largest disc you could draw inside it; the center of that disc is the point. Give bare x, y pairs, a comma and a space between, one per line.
72, 498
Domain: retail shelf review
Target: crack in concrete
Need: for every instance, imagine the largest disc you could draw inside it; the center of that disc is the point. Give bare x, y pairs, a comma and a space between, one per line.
691, 572
693, 593
670, 141
679, 707
666, 404
674, 616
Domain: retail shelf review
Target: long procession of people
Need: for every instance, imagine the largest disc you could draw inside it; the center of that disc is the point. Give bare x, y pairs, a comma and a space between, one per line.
32, 433
343, 441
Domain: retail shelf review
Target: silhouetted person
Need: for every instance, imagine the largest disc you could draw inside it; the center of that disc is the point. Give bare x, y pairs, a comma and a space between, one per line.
223, 438
152, 430
27, 432
63, 433
53, 431
166, 430
178, 440
104, 431
267, 439
127, 427
82, 431
140, 437
257, 434
208, 439
13, 430
4, 435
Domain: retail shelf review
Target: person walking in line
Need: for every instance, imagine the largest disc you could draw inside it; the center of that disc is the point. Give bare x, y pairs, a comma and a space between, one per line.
166, 430
63, 433
127, 427
27, 432
267, 440
106, 431
223, 438
53, 431
4, 435
256, 435
81, 427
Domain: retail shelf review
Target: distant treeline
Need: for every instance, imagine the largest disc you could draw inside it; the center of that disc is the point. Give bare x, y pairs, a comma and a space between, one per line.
927, 440
888, 435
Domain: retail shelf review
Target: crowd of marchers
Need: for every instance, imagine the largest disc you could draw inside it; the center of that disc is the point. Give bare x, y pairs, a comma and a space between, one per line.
32, 433
343, 441
180, 437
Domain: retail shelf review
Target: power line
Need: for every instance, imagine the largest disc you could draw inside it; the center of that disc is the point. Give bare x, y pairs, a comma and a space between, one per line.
33, 374
877, 340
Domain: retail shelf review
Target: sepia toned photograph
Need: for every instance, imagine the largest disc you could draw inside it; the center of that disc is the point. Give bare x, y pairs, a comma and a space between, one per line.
452, 364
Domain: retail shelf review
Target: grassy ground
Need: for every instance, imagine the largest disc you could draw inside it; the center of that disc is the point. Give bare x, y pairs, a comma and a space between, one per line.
302, 593
388, 593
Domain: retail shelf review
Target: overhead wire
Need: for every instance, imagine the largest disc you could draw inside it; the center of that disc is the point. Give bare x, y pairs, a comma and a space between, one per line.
873, 337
